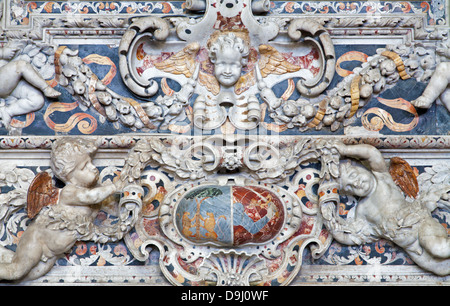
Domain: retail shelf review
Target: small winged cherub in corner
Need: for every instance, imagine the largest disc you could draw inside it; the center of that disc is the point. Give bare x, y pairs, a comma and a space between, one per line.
439, 84
68, 216
21, 86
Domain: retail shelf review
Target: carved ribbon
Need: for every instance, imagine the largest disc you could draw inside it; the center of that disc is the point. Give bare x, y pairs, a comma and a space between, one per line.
349, 56
383, 117
85, 127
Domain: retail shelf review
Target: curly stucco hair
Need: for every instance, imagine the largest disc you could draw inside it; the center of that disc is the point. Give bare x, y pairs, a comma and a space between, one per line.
232, 41
346, 165
63, 152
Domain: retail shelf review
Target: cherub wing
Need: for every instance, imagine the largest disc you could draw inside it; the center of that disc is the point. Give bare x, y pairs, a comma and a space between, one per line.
41, 193
248, 79
209, 81
245, 82
206, 76
404, 176
182, 62
272, 62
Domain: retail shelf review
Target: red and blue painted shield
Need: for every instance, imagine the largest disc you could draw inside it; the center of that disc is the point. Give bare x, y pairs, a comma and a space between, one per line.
229, 215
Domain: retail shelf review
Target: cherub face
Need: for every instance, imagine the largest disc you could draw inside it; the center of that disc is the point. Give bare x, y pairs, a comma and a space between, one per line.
228, 66
85, 174
357, 181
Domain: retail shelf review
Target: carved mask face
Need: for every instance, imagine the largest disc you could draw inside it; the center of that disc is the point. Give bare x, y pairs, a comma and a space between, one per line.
356, 181
228, 66
85, 174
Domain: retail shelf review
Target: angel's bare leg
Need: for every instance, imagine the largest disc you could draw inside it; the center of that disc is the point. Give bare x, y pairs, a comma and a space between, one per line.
24, 99
26, 258
29, 252
426, 261
6, 255
437, 85
40, 269
434, 239
13, 72
445, 98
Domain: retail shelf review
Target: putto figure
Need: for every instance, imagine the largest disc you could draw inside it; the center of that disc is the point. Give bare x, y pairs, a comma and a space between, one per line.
22, 86
382, 211
68, 217
438, 87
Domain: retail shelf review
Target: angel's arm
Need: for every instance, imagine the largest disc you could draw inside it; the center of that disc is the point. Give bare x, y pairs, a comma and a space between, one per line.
187, 90
73, 195
364, 152
348, 231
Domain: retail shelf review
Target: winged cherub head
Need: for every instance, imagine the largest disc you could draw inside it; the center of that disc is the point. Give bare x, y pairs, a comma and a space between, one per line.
228, 54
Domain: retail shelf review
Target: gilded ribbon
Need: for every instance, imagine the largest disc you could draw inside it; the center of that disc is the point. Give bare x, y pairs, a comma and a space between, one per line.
102, 60
383, 118
347, 57
85, 122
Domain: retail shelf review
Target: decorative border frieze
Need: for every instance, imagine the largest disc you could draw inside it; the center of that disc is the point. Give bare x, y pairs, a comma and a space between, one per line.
366, 275
126, 142
38, 19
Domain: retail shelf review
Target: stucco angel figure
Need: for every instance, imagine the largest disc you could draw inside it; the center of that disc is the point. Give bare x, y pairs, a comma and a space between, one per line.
382, 210
438, 87
439, 83
22, 86
68, 217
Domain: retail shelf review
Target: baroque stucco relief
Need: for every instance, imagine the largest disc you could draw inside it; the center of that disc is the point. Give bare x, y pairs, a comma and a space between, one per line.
245, 137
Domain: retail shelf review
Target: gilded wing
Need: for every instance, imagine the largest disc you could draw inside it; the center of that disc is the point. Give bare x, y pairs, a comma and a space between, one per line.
245, 82
182, 62
248, 79
404, 176
273, 62
209, 81
41, 193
